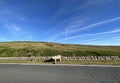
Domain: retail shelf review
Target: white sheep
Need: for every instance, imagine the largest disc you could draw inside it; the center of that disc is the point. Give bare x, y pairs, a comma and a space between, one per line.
58, 57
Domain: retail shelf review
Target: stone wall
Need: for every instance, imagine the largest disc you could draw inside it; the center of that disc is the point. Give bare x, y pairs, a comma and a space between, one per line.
64, 58
92, 58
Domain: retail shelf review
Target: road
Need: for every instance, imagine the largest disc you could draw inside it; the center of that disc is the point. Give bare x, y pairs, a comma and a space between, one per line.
16, 73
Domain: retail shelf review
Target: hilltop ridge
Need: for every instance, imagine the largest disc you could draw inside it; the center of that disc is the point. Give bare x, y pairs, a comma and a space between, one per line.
29, 48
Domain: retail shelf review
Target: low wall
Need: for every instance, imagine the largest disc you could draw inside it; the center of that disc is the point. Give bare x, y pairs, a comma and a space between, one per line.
92, 58
64, 58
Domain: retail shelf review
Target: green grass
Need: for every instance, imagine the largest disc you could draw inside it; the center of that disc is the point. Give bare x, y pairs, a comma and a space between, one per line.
90, 62
19, 49
20, 61
85, 62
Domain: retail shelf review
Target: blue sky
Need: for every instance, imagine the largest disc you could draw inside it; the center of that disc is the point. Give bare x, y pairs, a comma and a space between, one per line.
94, 22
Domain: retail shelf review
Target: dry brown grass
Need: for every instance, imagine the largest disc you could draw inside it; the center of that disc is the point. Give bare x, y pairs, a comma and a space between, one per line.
48, 49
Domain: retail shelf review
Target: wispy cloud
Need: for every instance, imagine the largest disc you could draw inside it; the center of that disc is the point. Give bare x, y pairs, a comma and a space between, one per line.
68, 25
13, 28
21, 32
68, 29
88, 35
113, 40
98, 38
68, 20
79, 20
12, 22
94, 24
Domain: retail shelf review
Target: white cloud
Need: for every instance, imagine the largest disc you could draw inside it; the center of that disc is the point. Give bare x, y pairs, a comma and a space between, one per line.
77, 21
70, 24
69, 31
13, 28
88, 35
93, 25
18, 32
107, 41
95, 38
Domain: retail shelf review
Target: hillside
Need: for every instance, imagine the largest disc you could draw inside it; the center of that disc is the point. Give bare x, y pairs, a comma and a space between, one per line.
17, 49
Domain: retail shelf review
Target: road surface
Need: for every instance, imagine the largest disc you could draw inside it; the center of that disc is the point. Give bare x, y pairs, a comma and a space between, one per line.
16, 73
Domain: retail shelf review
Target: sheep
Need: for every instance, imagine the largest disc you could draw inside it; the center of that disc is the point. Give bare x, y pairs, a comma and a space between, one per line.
55, 58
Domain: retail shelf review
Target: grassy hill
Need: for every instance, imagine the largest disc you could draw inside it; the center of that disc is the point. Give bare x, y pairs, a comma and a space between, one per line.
17, 49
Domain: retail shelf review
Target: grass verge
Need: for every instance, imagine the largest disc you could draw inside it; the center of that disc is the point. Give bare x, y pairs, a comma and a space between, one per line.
21, 61
85, 62
89, 62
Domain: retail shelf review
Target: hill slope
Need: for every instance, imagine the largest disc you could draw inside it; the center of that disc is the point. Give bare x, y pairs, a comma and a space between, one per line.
16, 49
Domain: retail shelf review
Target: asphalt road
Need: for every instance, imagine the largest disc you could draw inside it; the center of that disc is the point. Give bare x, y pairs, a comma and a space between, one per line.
14, 73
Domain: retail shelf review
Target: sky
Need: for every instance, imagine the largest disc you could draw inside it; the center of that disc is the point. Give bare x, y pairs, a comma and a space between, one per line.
90, 22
